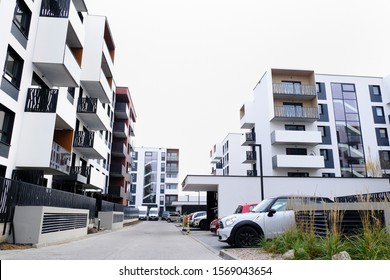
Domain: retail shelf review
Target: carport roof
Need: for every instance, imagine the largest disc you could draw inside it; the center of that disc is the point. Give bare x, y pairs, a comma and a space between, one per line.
202, 183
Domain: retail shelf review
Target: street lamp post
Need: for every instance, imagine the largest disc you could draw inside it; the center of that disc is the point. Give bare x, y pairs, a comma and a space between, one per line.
261, 169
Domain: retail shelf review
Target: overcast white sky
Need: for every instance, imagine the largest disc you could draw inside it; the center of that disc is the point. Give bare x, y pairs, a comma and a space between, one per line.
191, 64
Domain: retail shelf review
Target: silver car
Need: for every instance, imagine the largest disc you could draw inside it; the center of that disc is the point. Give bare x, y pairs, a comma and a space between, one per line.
173, 217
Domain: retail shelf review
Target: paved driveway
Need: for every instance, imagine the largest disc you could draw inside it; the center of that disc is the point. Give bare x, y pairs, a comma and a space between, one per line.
148, 240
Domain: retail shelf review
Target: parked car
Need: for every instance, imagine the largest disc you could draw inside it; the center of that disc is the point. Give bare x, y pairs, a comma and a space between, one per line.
269, 218
241, 208
200, 221
164, 215
173, 217
195, 215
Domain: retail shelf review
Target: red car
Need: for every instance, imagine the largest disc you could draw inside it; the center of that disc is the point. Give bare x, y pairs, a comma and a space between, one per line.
242, 208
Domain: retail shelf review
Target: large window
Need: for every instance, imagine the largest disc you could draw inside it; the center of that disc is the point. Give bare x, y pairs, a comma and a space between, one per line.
6, 124
348, 130
13, 67
22, 17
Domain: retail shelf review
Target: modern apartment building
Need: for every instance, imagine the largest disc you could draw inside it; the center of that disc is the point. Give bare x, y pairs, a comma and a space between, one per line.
320, 125
57, 95
227, 156
307, 134
122, 147
154, 178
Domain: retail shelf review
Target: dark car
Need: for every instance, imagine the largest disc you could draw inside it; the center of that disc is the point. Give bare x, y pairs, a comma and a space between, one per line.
164, 215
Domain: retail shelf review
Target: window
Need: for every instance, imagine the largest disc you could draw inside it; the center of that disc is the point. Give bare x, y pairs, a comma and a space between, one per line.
384, 157
320, 109
296, 151
162, 179
163, 156
376, 90
383, 133
13, 67
322, 130
134, 177
328, 175
324, 153
162, 167
379, 111
6, 124
162, 188
294, 127
22, 17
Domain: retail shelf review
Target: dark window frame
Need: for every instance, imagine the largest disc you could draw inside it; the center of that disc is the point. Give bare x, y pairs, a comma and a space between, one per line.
13, 67
22, 17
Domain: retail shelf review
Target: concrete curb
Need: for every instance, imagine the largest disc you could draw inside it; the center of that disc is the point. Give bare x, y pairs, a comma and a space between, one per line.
226, 255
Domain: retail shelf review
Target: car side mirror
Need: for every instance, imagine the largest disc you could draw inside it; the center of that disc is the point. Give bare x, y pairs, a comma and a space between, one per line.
271, 212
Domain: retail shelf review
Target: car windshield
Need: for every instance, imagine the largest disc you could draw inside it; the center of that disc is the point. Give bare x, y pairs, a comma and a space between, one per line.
262, 206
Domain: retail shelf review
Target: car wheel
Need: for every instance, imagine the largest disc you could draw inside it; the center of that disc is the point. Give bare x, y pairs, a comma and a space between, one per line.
169, 220
247, 237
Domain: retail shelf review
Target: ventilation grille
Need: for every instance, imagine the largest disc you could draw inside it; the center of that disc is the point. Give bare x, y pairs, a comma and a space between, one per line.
53, 222
118, 218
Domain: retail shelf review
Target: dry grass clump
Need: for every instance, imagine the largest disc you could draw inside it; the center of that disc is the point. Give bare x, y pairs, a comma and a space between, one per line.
370, 242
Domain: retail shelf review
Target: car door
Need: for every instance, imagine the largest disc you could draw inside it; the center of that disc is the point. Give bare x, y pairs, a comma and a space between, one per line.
279, 220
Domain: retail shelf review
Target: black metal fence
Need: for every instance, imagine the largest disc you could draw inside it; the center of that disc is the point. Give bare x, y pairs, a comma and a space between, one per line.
17, 193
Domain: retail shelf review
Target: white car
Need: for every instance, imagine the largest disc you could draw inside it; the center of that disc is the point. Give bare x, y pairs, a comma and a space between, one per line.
269, 218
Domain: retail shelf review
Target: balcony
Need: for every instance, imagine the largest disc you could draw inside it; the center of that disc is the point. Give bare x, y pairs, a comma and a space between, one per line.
59, 160
122, 111
250, 138
247, 116
294, 91
96, 180
116, 191
41, 100
121, 130
92, 113
291, 113
89, 144
119, 150
80, 173
250, 157
291, 137
118, 170
298, 161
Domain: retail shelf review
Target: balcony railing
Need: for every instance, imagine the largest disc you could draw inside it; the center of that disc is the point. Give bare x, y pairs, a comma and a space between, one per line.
41, 100
251, 173
294, 89
84, 171
58, 8
60, 158
296, 112
87, 105
83, 139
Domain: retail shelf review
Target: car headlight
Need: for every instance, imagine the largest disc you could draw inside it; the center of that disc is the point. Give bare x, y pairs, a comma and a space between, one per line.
230, 221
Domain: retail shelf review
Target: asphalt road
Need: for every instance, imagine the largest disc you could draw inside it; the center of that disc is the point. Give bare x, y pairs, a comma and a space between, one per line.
147, 240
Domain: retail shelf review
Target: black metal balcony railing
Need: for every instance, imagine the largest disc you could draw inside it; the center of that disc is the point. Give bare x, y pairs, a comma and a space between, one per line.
294, 89
41, 100
83, 139
296, 112
87, 105
60, 158
251, 173
251, 155
250, 136
84, 171
55, 8
218, 165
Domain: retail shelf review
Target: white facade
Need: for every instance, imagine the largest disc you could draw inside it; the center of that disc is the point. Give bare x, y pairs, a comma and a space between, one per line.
227, 156
331, 129
54, 109
155, 181
234, 190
